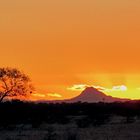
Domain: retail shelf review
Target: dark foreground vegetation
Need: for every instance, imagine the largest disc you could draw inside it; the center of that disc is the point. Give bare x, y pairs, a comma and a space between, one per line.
76, 121
83, 114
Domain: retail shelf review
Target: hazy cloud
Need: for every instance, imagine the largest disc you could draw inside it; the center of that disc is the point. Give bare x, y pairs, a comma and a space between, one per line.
117, 88
39, 95
82, 87
48, 94
54, 95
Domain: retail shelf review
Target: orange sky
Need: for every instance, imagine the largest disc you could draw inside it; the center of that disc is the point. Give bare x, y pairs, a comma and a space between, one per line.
71, 42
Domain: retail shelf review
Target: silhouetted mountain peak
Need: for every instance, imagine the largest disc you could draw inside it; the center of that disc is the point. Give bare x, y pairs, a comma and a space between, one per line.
91, 90
91, 94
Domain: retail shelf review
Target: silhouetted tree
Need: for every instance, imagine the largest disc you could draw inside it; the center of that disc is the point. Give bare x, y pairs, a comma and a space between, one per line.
14, 83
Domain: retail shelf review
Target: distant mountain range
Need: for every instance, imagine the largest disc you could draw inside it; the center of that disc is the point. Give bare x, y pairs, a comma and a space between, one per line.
90, 95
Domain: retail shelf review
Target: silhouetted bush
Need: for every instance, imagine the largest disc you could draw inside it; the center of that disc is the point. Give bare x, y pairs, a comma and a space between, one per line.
96, 114
72, 136
51, 135
84, 122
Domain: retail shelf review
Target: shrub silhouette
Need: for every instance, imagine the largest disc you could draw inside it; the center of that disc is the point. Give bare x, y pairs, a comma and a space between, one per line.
51, 135
83, 114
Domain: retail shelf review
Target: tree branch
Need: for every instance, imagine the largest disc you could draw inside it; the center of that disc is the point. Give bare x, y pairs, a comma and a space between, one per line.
5, 84
4, 95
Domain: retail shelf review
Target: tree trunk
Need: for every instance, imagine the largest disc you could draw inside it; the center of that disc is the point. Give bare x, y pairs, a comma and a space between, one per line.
1, 99
5, 94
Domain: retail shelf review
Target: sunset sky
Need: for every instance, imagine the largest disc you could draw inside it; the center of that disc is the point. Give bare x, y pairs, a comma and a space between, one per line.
66, 45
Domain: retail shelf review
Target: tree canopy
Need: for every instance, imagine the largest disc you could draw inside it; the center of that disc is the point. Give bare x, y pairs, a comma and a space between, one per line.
14, 83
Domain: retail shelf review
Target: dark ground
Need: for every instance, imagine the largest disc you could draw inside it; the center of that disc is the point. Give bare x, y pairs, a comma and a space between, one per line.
77, 121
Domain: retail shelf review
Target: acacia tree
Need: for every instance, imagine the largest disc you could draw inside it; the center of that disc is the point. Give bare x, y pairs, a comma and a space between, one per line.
14, 83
